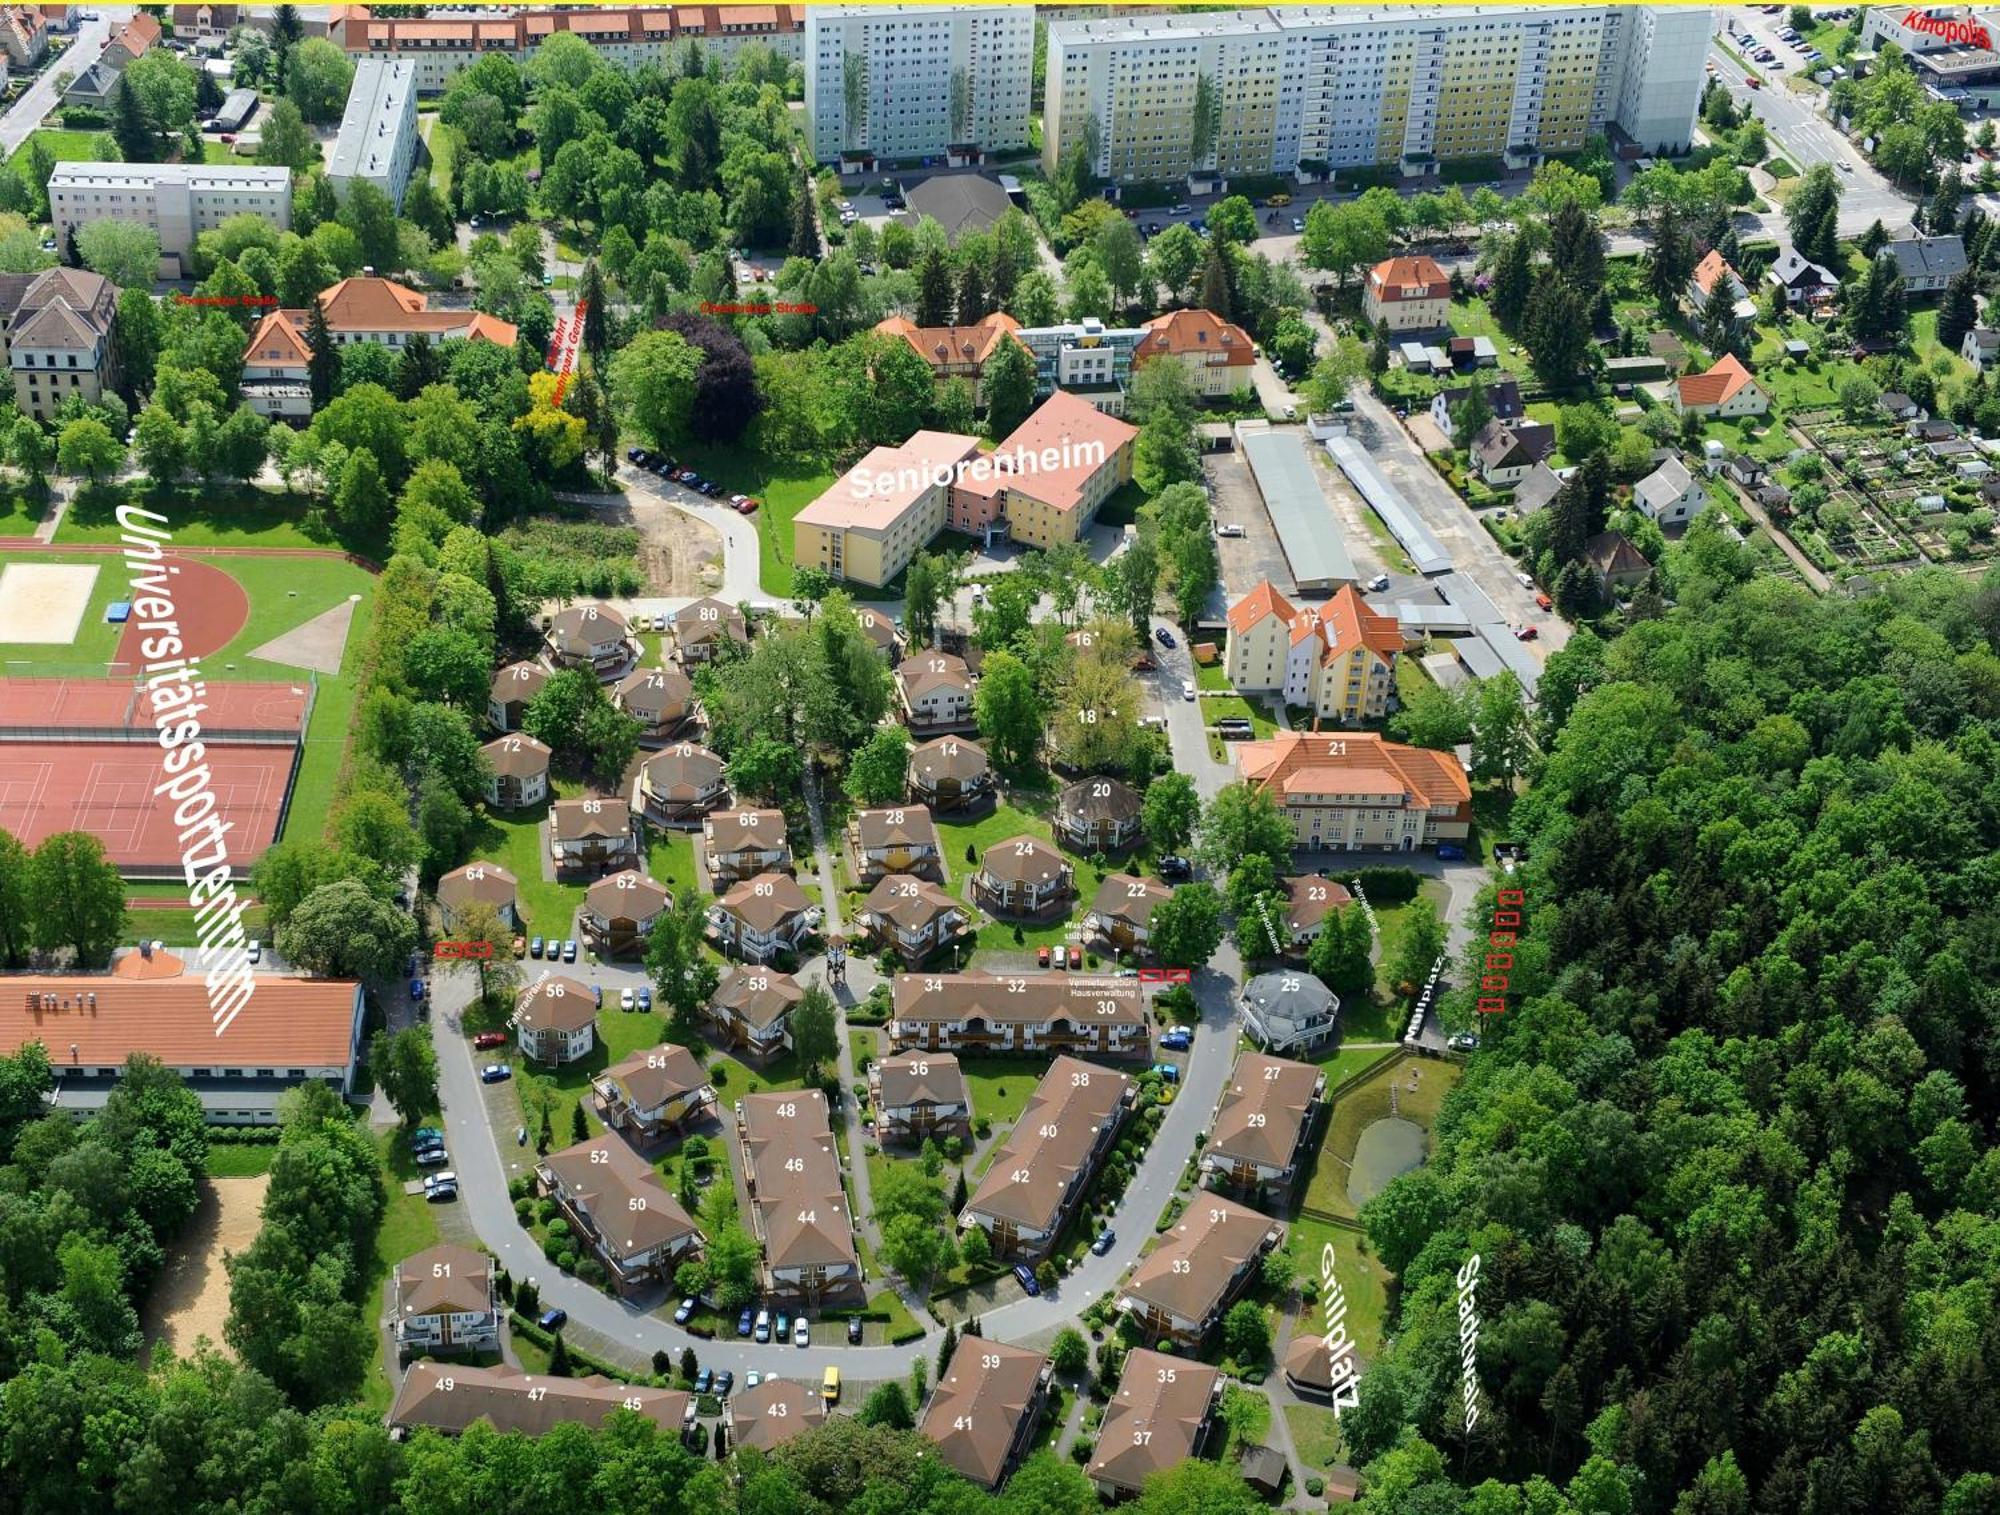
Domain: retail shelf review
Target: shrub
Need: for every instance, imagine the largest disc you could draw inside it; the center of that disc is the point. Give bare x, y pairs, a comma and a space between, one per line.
1315, 1486
1080, 1450
523, 1208
718, 1073
591, 1272
559, 1230
566, 1260
663, 1363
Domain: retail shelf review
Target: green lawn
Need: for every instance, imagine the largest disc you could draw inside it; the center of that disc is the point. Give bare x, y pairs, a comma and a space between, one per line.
243, 1161
408, 1226
19, 515
1355, 1111
227, 516
670, 860
68, 146
620, 1034
513, 840
1006, 820
176, 927
785, 489
1315, 1433
1357, 1270
1348, 1061
1000, 1086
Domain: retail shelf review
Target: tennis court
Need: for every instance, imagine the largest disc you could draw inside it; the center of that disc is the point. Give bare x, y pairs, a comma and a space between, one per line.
83, 755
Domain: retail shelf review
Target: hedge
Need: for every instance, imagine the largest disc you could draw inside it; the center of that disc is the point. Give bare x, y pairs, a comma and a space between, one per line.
581, 1361
1388, 886
243, 1136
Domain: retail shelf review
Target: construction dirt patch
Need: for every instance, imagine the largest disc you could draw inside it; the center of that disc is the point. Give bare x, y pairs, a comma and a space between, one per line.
190, 1299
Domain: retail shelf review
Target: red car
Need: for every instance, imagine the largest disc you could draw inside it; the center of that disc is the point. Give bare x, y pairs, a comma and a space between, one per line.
1041, 957
1527, 633
1076, 957
487, 1039
1544, 601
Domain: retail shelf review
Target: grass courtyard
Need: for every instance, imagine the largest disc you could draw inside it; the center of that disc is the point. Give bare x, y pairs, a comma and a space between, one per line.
785, 489
1419, 1090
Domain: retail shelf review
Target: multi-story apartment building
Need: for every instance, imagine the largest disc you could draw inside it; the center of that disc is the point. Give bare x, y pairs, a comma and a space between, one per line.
1038, 1178
555, 1020
1084, 358
739, 844
620, 911
513, 687
367, 309
617, 1206
797, 1202
1407, 294
445, 1301
985, 1409
378, 131
1262, 1125
1025, 1012
936, 692
919, 1095
61, 337
918, 81
1163, 1411
650, 1094
869, 524
772, 1412
1358, 791
1203, 1264
954, 352
661, 700
1061, 465
1098, 814
897, 839
440, 45
680, 785
762, 917
1310, 899
752, 1009
1217, 354
176, 201
950, 773
1310, 89
911, 916
1289, 1010
1121, 914
517, 772
593, 637
593, 833
1024, 877
1338, 660
450, 1398
478, 883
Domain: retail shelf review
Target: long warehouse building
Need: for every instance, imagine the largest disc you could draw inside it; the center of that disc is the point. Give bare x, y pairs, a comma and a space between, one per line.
1313, 89
1415, 538
1299, 509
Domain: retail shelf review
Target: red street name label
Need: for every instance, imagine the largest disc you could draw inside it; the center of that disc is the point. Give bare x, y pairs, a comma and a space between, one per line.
1961, 32
464, 949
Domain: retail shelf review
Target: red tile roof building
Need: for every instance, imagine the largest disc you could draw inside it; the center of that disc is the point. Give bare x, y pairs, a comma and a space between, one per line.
955, 352
1338, 659
1407, 294
1216, 353
1727, 389
1357, 791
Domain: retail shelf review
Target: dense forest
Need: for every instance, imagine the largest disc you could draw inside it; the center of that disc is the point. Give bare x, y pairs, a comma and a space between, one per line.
1727, 1156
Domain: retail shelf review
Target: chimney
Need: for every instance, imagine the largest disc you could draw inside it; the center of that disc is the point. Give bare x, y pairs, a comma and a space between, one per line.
73, 1057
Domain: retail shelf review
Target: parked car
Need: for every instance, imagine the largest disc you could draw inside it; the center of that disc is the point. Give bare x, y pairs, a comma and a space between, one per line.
1229, 529
752, 1378
495, 1073
829, 1386
683, 1312
432, 1157
763, 1326
487, 1039
1379, 583
1163, 636
426, 1134
597, 996
553, 1320
569, 950
801, 1333
255, 951
1187, 689
1026, 1277
1075, 958
782, 1326
748, 506
1173, 869
638, 455
446, 1177
1104, 1240
1177, 1040
520, 946
645, 999
854, 1330
1528, 633
627, 1000
746, 1321
416, 988
441, 1193
1544, 601
1041, 957
724, 1382
1450, 852
1464, 1041
1168, 1072
1297, 225
534, 946
703, 1379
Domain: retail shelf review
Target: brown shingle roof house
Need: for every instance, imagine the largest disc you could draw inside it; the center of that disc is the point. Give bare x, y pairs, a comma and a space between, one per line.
680, 785
1207, 1258
517, 771
798, 1203
1156, 1420
1020, 1012
1267, 1109
485, 883
619, 911
620, 1208
773, 1413
936, 690
983, 1411
513, 687
1023, 876
449, 1397
1098, 814
651, 1091
659, 699
590, 636
556, 1019
592, 832
1122, 913
950, 773
753, 1006
1038, 1177
761, 917
912, 915
1312, 898
698, 629
917, 1094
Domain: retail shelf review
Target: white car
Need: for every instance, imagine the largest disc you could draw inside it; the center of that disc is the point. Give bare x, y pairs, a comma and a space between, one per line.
1229, 529
752, 1378
1379, 583
1527, 581
1187, 689
801, 1333
432, 1180
255, 951
1846, 167
626, 999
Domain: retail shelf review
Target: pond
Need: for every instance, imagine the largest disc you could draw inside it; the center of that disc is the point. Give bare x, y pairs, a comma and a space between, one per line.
1388, 1147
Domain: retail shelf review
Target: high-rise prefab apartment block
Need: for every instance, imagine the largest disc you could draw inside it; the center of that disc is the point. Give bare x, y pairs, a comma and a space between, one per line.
1310, 89
378, 134
899, 82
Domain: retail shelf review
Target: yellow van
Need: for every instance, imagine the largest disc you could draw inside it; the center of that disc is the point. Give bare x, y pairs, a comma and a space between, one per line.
829, 1386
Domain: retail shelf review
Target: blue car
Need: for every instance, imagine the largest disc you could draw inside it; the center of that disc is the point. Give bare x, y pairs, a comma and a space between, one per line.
1168, 1072
1027, 1277
425, 1136
703, 1379
745, 1321
553, 1320
495, 1073
416, 988
645, 999
1177, 1041
1450, 852
1104, 1240
534, 946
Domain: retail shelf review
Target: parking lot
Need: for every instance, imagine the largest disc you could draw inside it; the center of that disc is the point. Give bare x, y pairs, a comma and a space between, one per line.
1256, 555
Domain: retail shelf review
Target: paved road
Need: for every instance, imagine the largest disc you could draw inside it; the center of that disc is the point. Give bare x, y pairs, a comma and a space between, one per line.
85, 48
1473, 550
